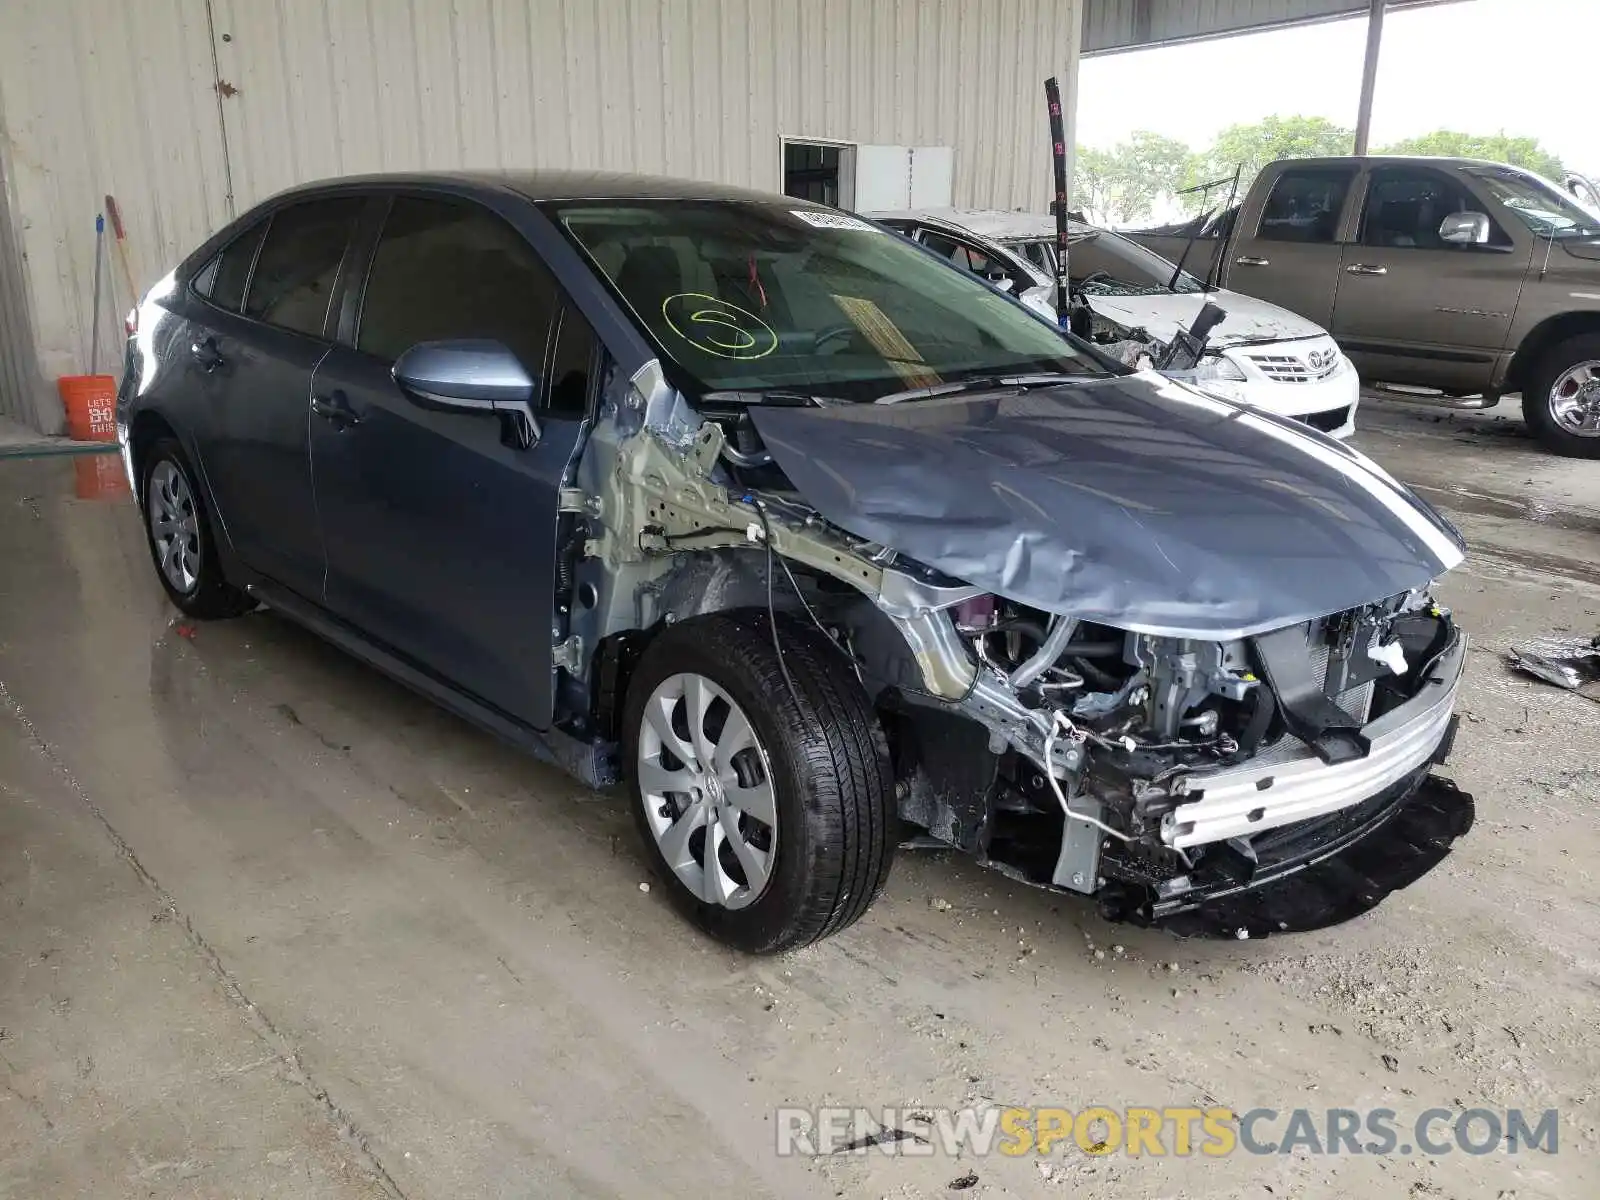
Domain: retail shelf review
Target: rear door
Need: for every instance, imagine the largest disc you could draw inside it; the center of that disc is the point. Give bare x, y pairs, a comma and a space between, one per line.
441, 531
267, 324
1414, 308
1291, 254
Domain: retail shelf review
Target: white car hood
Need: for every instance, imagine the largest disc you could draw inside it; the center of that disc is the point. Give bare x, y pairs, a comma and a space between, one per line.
1162, 315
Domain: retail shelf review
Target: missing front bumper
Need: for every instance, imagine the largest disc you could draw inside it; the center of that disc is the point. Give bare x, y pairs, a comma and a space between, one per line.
1260, 796
1321, 872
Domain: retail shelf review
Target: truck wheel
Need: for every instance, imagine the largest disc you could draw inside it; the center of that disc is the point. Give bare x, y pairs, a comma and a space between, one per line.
767, 812
181, 544
1561, 401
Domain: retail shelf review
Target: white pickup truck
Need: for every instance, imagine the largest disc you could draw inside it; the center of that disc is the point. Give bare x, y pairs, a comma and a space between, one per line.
1260, 355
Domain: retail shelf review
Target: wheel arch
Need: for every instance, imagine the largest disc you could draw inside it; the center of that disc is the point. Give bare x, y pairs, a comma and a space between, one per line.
148, 428
706, 582
1549, 332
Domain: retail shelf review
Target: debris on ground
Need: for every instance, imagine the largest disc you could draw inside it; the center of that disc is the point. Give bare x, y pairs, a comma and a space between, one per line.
186, 631
644, 887
1568, 662
939, 905
966, 1181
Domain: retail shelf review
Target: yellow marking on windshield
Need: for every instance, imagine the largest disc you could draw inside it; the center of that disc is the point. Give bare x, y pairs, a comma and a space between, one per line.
888, 341
714, 326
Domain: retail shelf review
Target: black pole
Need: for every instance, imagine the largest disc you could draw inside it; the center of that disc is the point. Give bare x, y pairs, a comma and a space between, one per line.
1058, 151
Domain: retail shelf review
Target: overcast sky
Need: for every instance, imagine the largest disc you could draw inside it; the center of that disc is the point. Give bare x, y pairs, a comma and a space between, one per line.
1479, 66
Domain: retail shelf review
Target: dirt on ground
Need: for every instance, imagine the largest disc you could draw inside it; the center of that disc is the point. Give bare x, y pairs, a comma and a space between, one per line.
274, 926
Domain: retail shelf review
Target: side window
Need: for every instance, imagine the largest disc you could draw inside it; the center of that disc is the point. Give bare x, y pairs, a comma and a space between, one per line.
1305, 205
1405, 207
946, 247
223, 279
959, 253
453, 270
1038, 253
299, 262
572, 365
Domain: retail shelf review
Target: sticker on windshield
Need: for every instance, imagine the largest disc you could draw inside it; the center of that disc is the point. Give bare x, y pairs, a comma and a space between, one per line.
716, 327
888, 341
831, 220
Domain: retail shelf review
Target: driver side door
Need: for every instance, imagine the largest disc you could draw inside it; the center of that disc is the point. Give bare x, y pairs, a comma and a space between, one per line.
1413, 308
440, 527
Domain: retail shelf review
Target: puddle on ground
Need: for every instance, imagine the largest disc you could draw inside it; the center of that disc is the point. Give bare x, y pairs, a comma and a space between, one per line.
1522, 508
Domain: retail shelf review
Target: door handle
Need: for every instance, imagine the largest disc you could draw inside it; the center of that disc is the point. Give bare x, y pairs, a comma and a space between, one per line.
1365, 269
335, 407
1250, 260
204, 352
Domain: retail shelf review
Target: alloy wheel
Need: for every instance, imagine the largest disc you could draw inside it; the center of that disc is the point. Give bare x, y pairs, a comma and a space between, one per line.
706, 785
1575, 399
174, 526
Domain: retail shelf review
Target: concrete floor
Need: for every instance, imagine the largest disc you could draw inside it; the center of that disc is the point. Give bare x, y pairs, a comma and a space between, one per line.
273, 926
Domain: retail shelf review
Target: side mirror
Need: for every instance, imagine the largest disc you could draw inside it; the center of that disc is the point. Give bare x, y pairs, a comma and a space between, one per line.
1465, 229
471, 376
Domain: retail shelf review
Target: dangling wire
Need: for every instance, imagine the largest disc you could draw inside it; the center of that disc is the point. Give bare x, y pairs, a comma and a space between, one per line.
755, 280
1059, 725
772, 611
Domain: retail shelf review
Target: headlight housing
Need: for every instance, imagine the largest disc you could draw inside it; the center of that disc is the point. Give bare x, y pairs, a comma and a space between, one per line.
1214, 367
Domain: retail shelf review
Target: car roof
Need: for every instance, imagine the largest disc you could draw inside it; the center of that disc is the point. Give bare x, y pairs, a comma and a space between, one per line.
557, 185
997, 223
1395, 160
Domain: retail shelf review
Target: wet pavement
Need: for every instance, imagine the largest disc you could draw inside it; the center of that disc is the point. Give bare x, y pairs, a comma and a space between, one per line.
275, 926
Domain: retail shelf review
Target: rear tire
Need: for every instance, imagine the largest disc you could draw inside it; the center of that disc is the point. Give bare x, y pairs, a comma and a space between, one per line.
820, 750
178, 530
1565, 379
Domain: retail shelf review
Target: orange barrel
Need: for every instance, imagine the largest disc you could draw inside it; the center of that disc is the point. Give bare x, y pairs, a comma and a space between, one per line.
91, 403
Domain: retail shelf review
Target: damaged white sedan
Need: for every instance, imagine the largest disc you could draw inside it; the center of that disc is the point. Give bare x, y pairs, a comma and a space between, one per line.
1132, 304
825, 548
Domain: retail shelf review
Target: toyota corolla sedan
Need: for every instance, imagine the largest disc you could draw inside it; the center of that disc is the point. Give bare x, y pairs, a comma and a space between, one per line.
819, 543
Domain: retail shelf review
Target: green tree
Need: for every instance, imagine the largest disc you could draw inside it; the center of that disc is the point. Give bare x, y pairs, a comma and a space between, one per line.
1129, 179
1500, 147
1252, 147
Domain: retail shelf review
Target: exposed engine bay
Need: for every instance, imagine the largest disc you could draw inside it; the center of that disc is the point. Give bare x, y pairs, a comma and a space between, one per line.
1159, 772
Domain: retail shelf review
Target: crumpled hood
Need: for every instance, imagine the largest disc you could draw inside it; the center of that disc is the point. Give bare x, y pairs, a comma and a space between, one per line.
1248, 320
1130, 500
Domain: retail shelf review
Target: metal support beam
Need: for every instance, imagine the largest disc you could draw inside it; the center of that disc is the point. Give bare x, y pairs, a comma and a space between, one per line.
1369, 75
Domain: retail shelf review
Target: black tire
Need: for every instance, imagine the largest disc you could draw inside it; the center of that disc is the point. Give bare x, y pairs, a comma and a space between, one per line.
829, 767
1536, 396
212, 597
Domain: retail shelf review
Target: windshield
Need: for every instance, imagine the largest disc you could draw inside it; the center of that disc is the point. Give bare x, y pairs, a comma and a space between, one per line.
1104, 264
1538, 205
750, 297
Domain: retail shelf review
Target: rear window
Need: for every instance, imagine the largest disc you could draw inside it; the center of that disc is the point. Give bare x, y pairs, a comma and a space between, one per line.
299, 262
223, 279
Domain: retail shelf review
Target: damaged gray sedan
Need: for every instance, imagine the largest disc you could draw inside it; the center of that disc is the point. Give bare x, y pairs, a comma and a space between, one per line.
820, 544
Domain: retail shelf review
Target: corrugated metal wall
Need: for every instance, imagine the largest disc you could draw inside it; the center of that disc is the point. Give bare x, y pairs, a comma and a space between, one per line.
98, 97
106, 96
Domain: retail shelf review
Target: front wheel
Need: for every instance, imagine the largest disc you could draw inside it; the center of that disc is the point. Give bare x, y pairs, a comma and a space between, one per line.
1561, 401
767, 811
